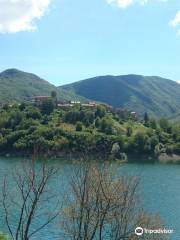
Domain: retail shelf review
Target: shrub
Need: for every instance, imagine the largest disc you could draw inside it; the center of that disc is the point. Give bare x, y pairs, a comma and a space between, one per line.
79, 126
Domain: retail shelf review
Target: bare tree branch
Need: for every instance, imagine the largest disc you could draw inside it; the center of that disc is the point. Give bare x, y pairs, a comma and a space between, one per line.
31, 185
103, 205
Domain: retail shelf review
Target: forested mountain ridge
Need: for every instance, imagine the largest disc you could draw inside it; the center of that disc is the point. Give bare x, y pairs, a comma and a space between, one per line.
18, 86
156, 95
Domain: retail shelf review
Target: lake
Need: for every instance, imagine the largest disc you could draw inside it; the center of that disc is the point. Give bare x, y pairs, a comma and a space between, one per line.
160, 189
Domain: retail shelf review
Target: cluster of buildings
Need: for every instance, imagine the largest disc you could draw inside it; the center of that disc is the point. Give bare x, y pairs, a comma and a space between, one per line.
122, 113
38, 100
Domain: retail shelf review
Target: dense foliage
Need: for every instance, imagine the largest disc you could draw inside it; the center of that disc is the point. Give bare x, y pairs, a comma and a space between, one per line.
138, 93
49, 131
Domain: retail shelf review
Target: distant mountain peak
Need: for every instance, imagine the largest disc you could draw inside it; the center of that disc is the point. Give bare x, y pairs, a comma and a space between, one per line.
11, 71
14, 72
18, 86
155, 95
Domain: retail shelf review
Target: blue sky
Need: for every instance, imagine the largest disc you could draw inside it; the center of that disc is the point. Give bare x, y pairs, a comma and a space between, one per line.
68, 40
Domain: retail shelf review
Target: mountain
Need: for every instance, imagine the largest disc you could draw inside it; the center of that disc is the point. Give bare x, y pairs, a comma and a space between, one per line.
156, 95
175, 117
16, 86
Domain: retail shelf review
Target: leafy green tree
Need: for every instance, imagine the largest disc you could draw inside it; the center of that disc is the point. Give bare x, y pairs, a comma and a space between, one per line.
164, 124
176, 132
153, 123
22, 106
169, 149
147, 145
176, 148
6, 107
160, 148
154, 141
140, 140
47, 107
15, 118
146, 119
33, 112
54, 97
129, 131
60, 144
88, 118
115, 150
97, 122
54, 94
79, 126
164, 137
100, 111
72, 116
4, 118
103, 144
107, 125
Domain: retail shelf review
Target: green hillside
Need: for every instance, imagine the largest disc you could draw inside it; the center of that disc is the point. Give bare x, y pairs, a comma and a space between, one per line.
50, 131
16, 86
175, 118
158, 96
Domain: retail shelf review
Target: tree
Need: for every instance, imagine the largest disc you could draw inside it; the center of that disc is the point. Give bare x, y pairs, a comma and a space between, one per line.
140, 140
107, 125
129, 131
54, 97
100, 111
146, 119
164, 124
97, 122
154, 141
115, 151
6, 106
47, 107
79, 126
153, 123
73, 116
103, 205
54, 94
33, 112
31, 190
22, 106
14, 119
159, 148
88, 118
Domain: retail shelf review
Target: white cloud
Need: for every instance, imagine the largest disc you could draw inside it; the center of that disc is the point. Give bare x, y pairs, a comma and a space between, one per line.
127, 3
121, 3
20, 15
175, 22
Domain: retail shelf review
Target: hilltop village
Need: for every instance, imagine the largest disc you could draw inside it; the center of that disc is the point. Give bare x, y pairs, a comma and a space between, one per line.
45, 126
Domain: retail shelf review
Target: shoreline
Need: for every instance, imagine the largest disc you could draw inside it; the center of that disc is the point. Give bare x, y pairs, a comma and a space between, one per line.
163, 158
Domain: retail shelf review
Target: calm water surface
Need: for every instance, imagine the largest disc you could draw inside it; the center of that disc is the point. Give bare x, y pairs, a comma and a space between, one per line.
160, 187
